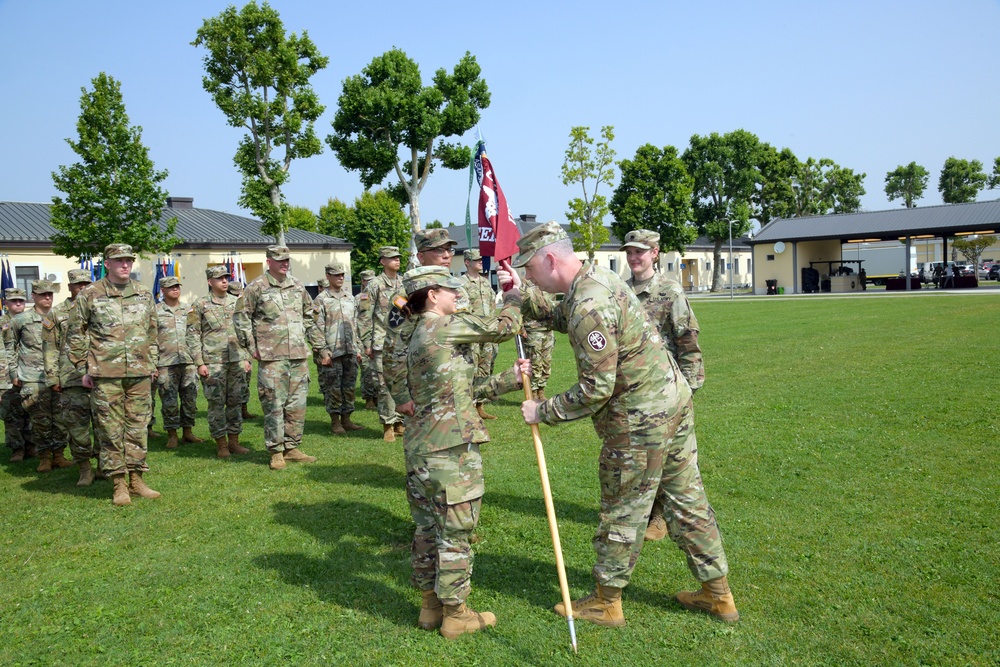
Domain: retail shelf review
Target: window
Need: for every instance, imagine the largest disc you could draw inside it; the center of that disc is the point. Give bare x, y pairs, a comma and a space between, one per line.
770, 258
708, 266
748, 265
670, 266
736, 265
23, 275
614, 264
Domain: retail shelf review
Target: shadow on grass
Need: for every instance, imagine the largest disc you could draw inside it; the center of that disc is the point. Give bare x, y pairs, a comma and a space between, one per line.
373, 475
535, 506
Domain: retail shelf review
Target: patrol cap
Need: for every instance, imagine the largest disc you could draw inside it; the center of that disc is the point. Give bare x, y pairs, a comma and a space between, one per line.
323, 282
473, 255
119, 251
14, 294
170, 281
645, 239
429, 276
429, 239
235, 288
335, 269
367, 274
42, 287
278, 252
79, 276
217, 271
388, 252
539, 237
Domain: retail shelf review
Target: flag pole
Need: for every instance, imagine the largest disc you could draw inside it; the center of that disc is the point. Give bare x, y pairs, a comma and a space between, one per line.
550, 510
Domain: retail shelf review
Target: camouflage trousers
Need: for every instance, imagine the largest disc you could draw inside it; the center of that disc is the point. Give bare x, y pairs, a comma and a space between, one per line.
75, 421
369, 383
40, 402
17, 426
445, 492
337, 382
178, 386
224, 388
283, 386
538, 346
247, 377
484, 355
121, 408
386, 406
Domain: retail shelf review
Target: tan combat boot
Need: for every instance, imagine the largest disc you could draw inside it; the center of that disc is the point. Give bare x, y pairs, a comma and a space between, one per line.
335, 427
399, 429
99, 474
540, 394
122, 496
247, 414
298, 456
59, 460
482, 413
86, 473
44, 461
460, 620
150, 433
234, 444
388, 433
370, 404
171, 438
222, 447
657, 528
431, 611
714, 598
17, 456
345, 421
602, 607
277, 461
189, 436
137, 487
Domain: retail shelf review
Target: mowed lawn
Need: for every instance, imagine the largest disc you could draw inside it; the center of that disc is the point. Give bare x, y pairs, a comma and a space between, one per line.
849, 447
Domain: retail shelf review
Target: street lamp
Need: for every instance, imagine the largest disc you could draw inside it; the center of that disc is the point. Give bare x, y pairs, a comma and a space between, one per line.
730, 259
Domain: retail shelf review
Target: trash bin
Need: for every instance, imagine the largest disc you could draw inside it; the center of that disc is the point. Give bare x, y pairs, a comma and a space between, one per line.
772, 285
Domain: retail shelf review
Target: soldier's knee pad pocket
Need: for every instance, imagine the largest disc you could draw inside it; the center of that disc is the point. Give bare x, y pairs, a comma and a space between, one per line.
622, 470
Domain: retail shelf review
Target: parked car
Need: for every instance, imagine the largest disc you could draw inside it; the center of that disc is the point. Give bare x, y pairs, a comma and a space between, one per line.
993, 273
966, 269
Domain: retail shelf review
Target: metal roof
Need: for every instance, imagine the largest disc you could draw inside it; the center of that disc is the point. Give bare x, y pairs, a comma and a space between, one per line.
943, 220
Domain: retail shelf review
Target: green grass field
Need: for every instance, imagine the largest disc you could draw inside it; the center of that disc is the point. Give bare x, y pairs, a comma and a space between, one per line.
849, 447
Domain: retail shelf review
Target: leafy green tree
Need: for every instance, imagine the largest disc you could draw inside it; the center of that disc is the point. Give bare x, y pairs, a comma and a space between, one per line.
994, 179
822, 186
300, 217
774, 196
333, 218
388, 121
375, 220
589, 166
435, 225
907, 183
961, 180
973, 247
112, 194
259, 78
655, 193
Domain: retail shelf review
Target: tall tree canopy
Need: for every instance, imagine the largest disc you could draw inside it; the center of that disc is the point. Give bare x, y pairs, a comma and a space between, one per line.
300, 217
822, 186
259, 78
961, 180
774, 196
994, 180
375, 220
389, 121
112, 194
655, 193
588, 166
907, 183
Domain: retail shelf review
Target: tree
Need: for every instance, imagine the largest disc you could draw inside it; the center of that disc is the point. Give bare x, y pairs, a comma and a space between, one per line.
386, 111
375, 220
589, 168
822, 186
907, 183
973, 247
774, 197
655, 193
300, 217
961, 180
112, 194
994, 180
727, 177
259, 78
435, 225
333, 218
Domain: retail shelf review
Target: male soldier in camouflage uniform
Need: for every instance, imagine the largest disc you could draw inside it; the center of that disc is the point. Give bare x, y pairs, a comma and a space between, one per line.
112, 334
632, 389
220, 360
75, 419
17, 426
273, 322
337, 360
538, 345
380, 291
363, 307
669, 311
236, 290
33, 348
482, 302
177, 379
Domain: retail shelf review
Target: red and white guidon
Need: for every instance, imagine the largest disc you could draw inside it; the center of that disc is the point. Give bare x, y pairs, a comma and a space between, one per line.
597, 340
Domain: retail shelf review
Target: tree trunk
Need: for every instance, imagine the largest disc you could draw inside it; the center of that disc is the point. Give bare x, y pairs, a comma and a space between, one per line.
717, 268
414, 226
276, 202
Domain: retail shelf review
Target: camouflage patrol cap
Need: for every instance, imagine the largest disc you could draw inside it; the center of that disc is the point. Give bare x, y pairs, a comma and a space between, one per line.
170, 281
645, 239
278, 252
539, 237
367, 274
79, 276
14, 294
218, 271
119, 251
433, 238
235, 289
429, 276
335, 269
473, 255
42, 287
323, 282
388, 252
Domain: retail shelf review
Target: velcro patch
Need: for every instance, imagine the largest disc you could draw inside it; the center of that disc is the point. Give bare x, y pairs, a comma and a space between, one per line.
597, 340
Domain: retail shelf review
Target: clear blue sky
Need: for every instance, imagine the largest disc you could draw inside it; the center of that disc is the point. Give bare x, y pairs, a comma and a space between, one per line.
870, 85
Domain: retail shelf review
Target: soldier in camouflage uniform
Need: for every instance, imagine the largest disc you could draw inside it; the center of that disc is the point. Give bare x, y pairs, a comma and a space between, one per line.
482, 301
632, 389
380, 291
668, 309
33, 348
444, 466
177, 379
337, 360
539, 340
236, 290
273, 322
112, 334
363, 307
17, 426
75, 417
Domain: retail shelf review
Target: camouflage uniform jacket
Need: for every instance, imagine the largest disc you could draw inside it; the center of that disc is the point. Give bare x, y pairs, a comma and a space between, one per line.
275, 319
69, 375
112, 331
171, 328
337, 321
441, 376
626, 377
380, 291
211, 331
4, 369
481, 297
363, 307
667, 306
33, 348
